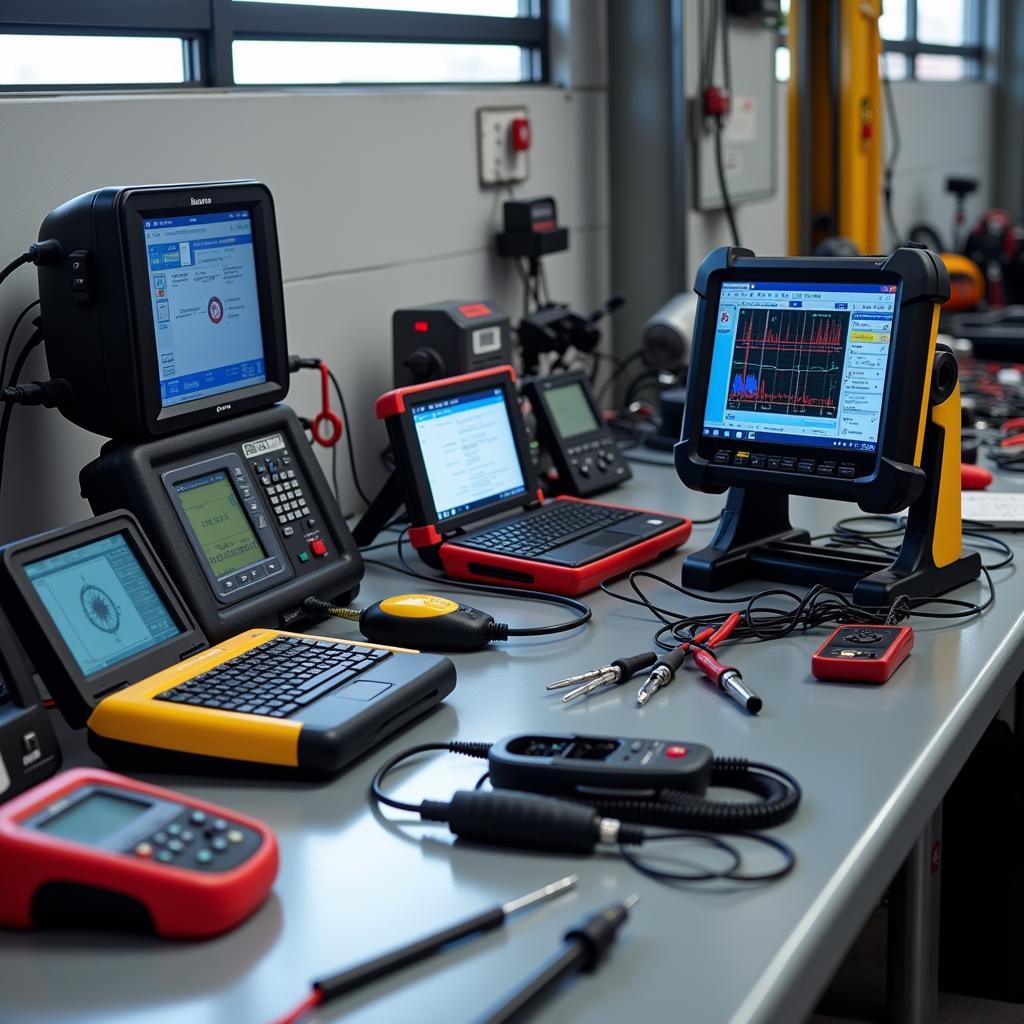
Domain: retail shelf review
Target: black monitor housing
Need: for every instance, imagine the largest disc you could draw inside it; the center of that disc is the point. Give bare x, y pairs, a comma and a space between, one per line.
166, 309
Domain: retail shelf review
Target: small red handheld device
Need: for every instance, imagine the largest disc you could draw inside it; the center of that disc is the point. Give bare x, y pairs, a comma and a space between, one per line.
92, 848
862, 654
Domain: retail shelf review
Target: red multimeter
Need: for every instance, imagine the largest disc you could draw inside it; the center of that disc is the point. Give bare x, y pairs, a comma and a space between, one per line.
863, 653
92, 848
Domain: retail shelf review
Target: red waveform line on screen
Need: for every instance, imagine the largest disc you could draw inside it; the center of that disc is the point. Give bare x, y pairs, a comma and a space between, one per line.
825, 338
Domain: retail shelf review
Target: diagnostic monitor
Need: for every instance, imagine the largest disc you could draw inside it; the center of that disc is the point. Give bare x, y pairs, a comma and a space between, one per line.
166, 310
812, 375
582, 448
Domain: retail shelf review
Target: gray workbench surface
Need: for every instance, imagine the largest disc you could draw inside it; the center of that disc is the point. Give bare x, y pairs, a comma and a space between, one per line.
873, 762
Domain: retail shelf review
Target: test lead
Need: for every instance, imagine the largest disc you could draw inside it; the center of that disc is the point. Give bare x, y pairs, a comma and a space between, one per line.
327, 989
617, 672
586, 946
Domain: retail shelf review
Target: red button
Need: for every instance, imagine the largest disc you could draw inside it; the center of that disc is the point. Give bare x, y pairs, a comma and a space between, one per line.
318, 547
519, 131
675, 751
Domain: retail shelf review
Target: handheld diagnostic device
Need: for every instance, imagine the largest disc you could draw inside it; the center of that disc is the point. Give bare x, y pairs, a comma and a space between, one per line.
241, 515
28, 746
862, 654
582, 447
167, 309
124, 656
559, 764
93, 849
822, 377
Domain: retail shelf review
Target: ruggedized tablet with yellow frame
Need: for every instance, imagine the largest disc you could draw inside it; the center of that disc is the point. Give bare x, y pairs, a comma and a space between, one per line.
122, 654
822, 377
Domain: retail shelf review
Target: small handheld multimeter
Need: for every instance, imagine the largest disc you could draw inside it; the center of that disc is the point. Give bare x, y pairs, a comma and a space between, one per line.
92, 848
569, 425
862, 653
557, 763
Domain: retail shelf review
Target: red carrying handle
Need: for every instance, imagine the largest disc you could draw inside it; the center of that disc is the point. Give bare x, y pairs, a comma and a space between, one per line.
326, 416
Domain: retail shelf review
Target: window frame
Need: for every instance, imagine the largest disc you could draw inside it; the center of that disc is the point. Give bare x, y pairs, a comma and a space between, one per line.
911, 47
208, 28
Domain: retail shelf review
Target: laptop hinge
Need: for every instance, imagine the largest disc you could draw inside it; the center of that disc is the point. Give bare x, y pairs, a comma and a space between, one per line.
192, 650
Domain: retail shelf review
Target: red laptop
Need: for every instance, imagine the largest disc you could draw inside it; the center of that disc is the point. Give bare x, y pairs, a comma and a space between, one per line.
471, 492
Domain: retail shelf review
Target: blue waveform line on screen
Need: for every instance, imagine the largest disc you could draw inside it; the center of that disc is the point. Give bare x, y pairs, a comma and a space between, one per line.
745, 387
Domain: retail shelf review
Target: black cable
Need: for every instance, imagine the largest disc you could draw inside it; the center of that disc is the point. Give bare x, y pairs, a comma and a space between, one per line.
578, 822
10, 339
348, 440
5, 418
723, 187
584, 614
890, 163
19, 261
617, 373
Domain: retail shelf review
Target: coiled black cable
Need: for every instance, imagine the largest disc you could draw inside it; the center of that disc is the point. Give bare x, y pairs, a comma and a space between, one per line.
527, 820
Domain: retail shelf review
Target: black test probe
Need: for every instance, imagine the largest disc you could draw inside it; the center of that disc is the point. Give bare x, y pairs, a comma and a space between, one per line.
585, 949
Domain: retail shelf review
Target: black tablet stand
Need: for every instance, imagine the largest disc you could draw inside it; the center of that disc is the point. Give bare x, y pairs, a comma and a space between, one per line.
755, 539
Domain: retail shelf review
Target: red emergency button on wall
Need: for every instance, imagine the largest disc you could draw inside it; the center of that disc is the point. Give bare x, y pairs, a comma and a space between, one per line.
519, 134
676, 751
318, 547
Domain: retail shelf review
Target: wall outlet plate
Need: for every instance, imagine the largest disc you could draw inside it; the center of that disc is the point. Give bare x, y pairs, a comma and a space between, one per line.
499, 163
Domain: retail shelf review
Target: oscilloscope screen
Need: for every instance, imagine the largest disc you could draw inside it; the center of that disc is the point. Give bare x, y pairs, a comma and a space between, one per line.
800, 363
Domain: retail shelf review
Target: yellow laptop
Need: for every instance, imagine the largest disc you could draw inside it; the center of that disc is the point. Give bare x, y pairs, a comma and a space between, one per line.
121, 654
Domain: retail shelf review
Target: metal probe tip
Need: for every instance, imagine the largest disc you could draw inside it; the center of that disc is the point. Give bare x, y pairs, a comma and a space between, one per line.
540, 895
631, 901
582, 677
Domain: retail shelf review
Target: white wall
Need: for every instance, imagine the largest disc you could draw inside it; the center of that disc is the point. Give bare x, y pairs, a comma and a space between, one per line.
946, 129
378, 207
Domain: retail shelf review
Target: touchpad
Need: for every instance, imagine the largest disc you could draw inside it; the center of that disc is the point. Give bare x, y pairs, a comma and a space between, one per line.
641, 526
602, 539
361, 689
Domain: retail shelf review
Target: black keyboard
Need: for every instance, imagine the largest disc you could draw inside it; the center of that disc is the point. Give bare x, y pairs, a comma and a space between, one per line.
277, 678
546, 529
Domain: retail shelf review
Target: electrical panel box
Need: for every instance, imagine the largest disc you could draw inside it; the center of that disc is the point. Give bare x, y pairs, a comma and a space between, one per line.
749, 129
502, 146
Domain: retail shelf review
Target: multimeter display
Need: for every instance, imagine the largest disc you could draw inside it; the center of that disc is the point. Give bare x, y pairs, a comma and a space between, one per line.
570, 410
102, 602
798, 363
95, 818
221, 526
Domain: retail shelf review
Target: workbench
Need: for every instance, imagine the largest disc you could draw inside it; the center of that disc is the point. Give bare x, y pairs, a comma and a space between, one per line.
874, 763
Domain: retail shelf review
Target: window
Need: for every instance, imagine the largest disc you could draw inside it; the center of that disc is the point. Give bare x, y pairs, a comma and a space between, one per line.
68, 44
932, 40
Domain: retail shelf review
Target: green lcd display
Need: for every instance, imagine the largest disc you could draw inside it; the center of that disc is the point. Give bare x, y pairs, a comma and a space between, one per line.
571, 411
221, 526
95, 818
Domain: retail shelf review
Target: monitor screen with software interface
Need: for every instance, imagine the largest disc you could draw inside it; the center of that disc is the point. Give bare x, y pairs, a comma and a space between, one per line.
102, 602
205, 304
798, 363
469, 451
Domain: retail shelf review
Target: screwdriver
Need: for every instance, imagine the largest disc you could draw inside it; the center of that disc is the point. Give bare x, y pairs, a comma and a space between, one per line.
617, 672
585, 948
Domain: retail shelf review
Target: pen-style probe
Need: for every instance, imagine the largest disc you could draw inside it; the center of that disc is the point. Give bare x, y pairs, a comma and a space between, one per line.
585, 948
725, 677
617, 672
327, 989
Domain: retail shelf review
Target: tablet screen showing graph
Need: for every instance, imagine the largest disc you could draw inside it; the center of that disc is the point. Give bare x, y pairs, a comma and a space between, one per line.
800, 364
